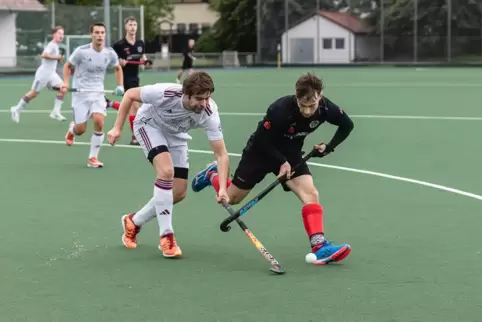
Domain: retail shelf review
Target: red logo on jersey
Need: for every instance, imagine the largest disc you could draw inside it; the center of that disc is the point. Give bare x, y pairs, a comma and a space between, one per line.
291, 130
267, 125
128, 52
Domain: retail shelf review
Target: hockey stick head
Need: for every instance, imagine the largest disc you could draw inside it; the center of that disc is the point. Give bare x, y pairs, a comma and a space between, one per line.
278, 270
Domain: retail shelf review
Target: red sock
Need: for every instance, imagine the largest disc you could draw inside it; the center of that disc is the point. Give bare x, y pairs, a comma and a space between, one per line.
115, 105
313, 222
215, 180
131, 122
179, 74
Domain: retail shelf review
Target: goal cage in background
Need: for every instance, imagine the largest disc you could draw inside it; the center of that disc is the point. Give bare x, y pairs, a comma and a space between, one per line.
74, 41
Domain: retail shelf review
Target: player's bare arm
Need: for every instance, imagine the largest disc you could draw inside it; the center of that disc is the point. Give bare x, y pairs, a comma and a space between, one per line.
67, 72
119, 75
50, 57
132, 95
222, 159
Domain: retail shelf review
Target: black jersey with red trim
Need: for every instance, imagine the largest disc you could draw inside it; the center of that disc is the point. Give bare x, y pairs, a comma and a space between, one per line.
128, 51
283, 129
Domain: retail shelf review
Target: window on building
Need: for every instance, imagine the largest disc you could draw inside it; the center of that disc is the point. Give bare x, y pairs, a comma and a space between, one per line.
181, 28
327, 43
193, 28
340, 43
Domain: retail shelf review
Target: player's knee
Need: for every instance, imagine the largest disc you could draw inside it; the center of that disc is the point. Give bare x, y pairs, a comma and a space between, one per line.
310, 195
98, 121
164, 171
236, 198
161, 160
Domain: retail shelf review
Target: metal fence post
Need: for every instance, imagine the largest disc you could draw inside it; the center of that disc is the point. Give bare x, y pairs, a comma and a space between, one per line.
415, 31
287, 46
449, 30
382, 31
107, 22
142, 22
258, 30
120, 18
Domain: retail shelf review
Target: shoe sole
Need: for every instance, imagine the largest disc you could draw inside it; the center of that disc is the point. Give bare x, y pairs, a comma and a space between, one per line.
169, 256
94, 166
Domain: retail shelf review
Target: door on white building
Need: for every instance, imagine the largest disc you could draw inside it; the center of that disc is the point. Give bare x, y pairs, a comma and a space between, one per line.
302, 50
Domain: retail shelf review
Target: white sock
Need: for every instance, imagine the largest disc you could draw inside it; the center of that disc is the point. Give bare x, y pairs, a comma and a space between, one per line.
163, 199
95, 144
146, 213
58, 105
71, 129
21, 104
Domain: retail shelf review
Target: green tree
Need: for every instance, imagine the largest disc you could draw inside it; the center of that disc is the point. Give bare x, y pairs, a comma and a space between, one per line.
234, 30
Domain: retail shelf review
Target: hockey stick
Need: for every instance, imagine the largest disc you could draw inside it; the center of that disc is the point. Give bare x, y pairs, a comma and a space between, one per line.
83, 90
276, 266
136, 62
250, 204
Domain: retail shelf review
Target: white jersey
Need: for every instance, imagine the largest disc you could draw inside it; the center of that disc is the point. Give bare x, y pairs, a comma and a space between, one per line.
48, 66
162, 108
91, 66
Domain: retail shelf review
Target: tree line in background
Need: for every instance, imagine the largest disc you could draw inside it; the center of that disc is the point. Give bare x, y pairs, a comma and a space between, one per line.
236, 27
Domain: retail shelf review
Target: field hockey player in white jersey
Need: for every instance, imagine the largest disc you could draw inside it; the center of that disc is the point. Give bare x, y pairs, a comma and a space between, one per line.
46, 75
91, 62
167, 113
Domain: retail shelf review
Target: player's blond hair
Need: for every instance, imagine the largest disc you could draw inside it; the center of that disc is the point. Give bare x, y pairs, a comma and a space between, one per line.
308, 85
198, 83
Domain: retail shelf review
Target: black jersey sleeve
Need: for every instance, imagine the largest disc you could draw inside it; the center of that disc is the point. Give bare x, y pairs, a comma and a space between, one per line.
336, 116
271, 129
118, 50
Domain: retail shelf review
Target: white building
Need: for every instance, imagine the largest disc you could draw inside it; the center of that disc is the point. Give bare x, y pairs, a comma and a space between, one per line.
8, 27
329, 38
191, 16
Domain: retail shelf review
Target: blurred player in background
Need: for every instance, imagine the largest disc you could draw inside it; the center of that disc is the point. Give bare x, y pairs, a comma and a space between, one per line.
129, 49
91, 62
275, 147
46, 75
188, 61
168, 112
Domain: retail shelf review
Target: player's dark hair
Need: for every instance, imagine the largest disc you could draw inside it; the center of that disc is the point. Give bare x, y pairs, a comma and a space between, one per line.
130, 18
197, 83
56, 28
307, 85
97, 24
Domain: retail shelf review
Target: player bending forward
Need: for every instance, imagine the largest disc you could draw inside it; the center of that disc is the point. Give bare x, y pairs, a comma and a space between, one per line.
167, 113
275, 147
45, 75
91, 62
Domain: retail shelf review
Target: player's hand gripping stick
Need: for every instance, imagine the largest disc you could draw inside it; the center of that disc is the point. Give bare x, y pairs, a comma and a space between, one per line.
235, 215
275, 265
